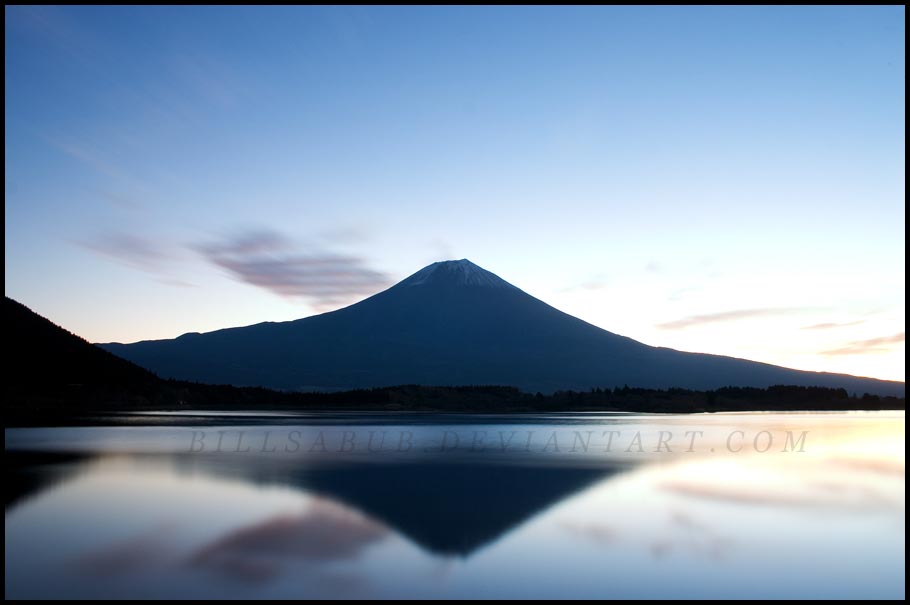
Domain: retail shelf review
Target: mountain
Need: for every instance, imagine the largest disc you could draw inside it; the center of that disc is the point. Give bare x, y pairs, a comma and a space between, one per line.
49, 369
47, 355
454, 323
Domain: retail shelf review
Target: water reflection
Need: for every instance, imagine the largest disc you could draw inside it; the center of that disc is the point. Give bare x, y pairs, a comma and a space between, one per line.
323, 531
134, 512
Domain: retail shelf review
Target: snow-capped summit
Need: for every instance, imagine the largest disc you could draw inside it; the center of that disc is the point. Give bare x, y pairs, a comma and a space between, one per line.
455, 273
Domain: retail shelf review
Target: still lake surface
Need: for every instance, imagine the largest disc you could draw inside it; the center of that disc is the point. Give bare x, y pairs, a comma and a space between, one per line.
754, 505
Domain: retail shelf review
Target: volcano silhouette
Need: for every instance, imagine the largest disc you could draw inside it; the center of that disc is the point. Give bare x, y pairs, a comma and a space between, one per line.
454, 323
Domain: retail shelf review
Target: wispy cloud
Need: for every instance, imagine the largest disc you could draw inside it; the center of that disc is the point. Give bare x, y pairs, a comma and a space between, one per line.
442, 249
871, 345
831, 325
208, 76
120, 188
138, 252
178, 283
121, 200
681, 293
132, 250
269, 260
739, 314
597, 282
654, 267
56, 30
89, 157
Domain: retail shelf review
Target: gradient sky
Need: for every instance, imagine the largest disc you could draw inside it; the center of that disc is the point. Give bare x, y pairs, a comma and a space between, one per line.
725, 180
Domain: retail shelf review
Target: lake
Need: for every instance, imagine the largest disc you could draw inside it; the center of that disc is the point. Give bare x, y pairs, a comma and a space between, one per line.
749, 505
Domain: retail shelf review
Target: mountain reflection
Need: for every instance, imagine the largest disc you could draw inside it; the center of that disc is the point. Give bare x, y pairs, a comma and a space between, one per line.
452, 509
446, 508
29, 473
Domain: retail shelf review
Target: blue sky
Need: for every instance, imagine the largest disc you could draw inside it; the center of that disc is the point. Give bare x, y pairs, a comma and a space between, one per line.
728, 180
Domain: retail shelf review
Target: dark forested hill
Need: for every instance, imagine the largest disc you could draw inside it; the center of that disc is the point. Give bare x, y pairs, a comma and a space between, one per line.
47, 365
42, 353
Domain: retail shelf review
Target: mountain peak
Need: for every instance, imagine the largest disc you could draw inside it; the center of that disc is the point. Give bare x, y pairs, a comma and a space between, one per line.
455, 273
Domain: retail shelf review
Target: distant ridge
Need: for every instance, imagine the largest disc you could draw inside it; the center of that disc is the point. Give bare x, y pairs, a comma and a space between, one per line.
455, 323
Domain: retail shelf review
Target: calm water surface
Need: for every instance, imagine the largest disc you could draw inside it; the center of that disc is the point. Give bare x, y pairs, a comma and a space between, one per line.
570, 505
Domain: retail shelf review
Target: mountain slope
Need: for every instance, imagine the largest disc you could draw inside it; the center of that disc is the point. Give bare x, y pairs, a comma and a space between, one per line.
51, 371
453, 323
45, 354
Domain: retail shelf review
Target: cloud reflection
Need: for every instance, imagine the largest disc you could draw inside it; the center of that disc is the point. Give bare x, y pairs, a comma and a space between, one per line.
133, 555
325, 531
